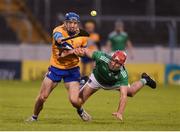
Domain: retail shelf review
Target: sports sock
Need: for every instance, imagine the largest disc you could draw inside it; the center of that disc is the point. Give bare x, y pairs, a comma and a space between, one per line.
143, 81
34, 117
80, 110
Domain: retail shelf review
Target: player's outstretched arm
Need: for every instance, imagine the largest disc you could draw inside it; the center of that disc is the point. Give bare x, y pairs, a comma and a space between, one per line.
78, 52
122, 103
83, 52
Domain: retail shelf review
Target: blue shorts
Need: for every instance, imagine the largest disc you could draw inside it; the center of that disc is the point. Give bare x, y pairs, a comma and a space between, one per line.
86, 60
68, 75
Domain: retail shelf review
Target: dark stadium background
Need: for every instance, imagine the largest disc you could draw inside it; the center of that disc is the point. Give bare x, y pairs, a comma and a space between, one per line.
143, 28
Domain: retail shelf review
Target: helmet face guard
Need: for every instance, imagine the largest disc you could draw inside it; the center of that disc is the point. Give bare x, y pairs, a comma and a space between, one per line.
70, 18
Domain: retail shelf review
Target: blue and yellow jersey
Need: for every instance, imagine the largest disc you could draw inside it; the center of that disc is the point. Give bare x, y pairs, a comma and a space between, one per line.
69, 61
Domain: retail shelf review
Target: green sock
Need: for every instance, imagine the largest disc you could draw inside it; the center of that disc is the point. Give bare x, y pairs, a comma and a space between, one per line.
143, 81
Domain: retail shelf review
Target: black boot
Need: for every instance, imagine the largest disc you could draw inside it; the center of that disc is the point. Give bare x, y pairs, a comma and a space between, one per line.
150, 82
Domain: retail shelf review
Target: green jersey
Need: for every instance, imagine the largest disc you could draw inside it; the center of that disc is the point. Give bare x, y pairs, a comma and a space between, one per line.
118, 40
104, 75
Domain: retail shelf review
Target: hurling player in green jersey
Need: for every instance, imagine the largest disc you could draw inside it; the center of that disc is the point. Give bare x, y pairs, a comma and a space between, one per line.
109, 74
119, 39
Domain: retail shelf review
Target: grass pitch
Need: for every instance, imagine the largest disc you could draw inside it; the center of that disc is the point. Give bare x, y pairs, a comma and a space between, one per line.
149, 110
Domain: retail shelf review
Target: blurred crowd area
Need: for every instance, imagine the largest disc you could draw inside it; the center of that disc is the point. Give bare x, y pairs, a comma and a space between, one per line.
147, 22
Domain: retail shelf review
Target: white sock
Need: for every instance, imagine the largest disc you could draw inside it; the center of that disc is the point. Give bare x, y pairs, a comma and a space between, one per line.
143, 81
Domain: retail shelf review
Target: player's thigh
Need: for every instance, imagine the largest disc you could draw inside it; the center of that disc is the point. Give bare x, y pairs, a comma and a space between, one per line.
86, 92
47, 86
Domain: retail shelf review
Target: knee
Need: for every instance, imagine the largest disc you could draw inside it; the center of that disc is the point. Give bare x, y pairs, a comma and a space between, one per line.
42, 97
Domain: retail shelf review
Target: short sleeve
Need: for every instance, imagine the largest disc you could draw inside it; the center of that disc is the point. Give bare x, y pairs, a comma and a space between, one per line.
57, 35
